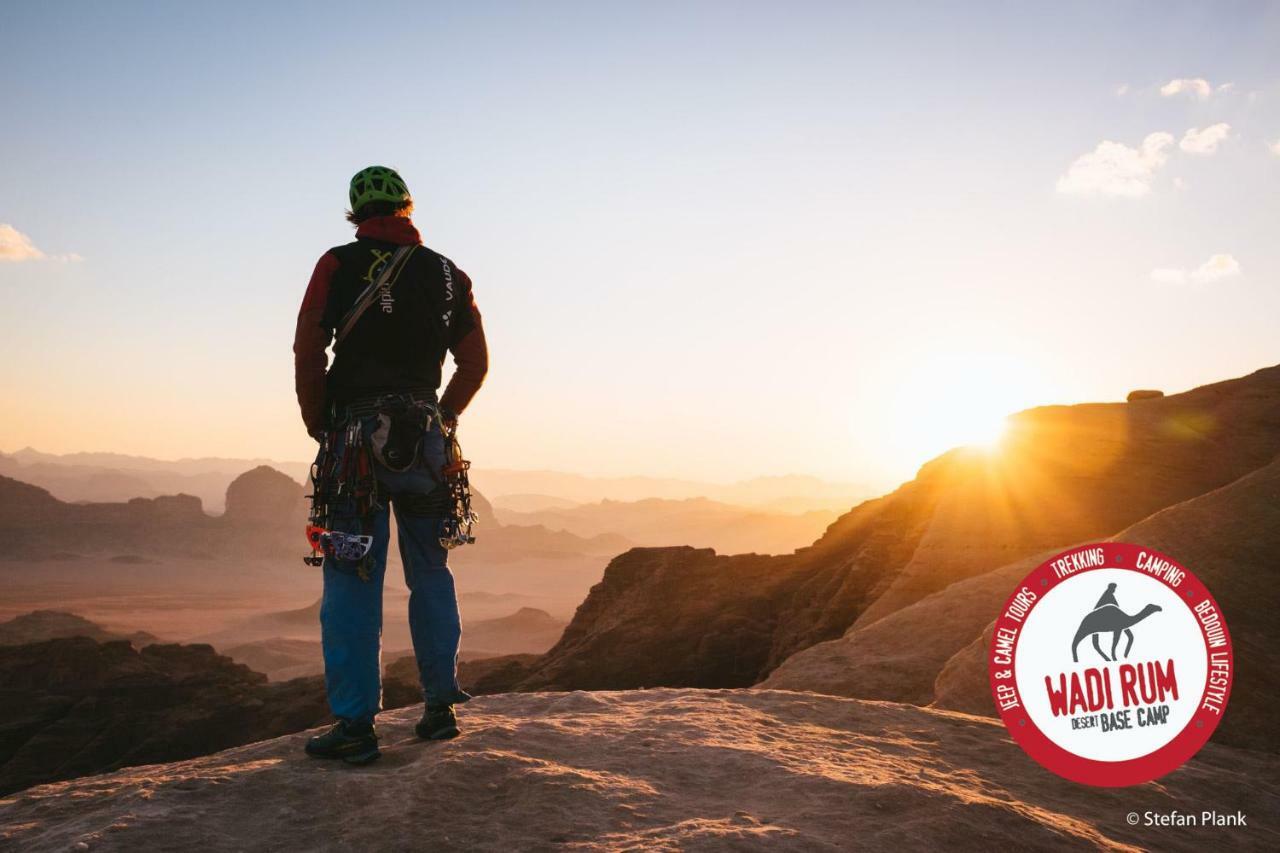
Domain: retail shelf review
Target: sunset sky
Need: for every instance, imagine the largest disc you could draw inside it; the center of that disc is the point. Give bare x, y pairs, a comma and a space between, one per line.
708, 240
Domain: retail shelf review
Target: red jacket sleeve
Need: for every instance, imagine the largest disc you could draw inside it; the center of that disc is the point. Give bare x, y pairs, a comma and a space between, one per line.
470, 359
310, 340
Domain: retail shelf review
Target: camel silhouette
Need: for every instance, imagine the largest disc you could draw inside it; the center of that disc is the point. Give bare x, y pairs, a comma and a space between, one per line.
1109, 619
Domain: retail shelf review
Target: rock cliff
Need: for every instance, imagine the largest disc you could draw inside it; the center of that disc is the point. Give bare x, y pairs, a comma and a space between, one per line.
75, 706
1065, 474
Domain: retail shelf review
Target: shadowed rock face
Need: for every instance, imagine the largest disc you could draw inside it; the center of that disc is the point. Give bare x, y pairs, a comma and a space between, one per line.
71, 707
657, 619
900, 656
688, 617
650, 770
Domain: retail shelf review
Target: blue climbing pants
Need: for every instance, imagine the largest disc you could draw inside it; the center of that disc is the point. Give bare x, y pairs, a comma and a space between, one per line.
351, 609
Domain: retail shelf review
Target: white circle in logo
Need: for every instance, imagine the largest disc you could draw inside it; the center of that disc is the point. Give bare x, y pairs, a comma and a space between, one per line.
1138, 671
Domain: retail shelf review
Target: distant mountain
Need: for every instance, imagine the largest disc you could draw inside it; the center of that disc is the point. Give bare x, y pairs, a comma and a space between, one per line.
297, 624
530, 503
187, 465
113, 478
290, 639
502, 542
36, 525
263, 496
279, 658
284, 659
794, 493
698, 522
293, 648
491, 599
265, 516
41, 625
527, 631
116, 477
478, 676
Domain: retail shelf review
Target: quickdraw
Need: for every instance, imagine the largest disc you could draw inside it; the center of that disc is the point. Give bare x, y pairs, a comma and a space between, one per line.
344, 490
336, 544
456, 527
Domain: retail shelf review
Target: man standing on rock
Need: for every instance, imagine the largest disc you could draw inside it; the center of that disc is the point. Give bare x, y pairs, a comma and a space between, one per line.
393, 309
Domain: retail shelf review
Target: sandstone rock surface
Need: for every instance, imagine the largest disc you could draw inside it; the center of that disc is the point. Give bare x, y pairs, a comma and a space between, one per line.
649, 770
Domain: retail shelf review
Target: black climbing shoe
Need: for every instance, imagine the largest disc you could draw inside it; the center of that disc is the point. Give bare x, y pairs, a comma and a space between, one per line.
438, 723
354, 743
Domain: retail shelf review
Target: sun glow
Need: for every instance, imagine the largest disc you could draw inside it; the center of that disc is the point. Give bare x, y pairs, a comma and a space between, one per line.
958, 399
979, 428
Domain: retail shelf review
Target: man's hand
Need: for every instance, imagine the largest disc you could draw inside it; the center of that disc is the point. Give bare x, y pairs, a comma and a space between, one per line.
448, 419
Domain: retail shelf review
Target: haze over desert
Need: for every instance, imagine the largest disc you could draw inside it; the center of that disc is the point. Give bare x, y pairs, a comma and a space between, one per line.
629, 427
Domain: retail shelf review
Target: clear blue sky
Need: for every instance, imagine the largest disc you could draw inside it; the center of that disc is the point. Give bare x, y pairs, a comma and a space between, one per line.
716, 239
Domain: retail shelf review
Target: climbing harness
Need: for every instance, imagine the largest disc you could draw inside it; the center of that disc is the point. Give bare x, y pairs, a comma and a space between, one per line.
346, 494
397, 433
457, 525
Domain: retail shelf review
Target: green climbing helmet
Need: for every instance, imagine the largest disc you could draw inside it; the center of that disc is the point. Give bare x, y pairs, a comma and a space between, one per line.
376, 183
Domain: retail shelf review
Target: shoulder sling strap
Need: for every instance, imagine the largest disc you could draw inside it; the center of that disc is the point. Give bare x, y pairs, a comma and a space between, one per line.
390, 272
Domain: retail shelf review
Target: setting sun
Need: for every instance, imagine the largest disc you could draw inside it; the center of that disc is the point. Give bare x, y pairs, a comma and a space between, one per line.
953, 399
978, 428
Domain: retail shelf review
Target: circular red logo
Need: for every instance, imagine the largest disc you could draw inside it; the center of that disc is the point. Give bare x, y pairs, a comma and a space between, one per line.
1111, 664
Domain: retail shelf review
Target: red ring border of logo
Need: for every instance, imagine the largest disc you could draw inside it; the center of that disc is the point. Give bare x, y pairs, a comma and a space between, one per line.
1111, 774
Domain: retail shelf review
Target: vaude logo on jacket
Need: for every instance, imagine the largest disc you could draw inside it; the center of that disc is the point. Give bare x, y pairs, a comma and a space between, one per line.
1111, 664
447, 316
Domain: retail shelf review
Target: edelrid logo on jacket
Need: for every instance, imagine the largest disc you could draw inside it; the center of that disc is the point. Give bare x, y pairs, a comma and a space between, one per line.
380, 260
